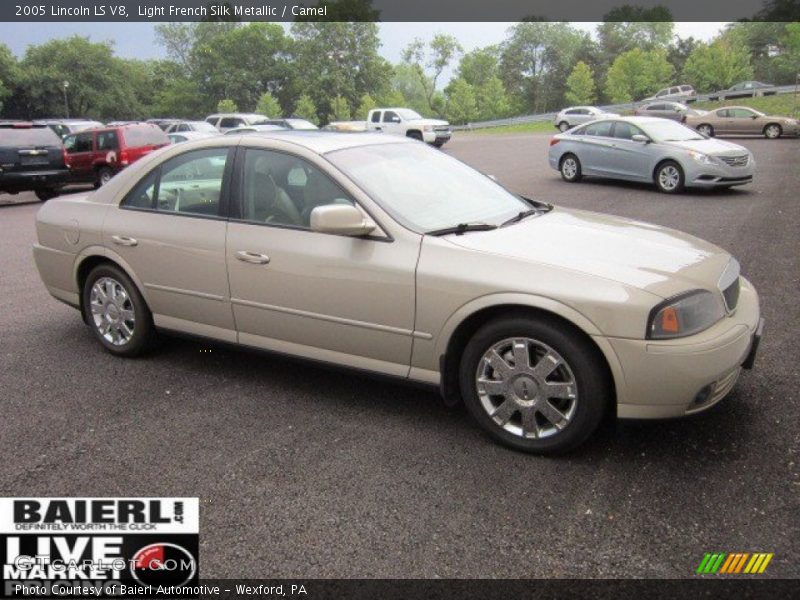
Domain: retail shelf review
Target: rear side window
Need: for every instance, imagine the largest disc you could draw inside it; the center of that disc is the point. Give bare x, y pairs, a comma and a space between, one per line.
657, 107
81, 142
144, 135
190, 184
376, 116
603, 128
687, 88
211, 121
107, 140
33, 136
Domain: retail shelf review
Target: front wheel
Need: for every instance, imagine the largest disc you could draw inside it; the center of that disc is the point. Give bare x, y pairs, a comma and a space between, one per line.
117, 312
414, 135
773, 131
570, 168
669, 178
533, 385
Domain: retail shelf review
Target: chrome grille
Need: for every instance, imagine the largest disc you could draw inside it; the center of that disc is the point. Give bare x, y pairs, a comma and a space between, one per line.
736, 161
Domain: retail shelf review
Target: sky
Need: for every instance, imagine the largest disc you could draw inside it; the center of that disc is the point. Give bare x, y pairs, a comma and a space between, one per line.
137, 40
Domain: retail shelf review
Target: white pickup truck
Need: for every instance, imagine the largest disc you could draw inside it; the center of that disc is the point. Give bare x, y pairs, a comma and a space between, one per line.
404, 121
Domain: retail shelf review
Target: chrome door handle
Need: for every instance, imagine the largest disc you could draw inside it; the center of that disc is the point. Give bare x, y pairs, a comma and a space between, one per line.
122, 240
252, 257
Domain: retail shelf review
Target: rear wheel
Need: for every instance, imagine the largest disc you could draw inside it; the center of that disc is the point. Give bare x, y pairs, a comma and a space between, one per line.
706, 130
117, 312
773, 131
533, 385
104, 175
669, 177
563, 126
570, 168
46, 193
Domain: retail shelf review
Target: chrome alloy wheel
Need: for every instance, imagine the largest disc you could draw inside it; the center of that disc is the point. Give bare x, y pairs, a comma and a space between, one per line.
772, 131
112, 311
669, 178
527, 388
705, 130
569, 167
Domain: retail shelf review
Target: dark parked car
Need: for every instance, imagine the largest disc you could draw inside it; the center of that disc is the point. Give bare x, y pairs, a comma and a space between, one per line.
31, 158
745, 89
96, 155
667, 110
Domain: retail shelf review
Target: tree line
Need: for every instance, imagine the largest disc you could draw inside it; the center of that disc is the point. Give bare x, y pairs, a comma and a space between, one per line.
326, 71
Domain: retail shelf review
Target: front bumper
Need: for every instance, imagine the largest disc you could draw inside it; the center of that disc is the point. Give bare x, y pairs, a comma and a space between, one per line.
708, 176
673, 378
436, 136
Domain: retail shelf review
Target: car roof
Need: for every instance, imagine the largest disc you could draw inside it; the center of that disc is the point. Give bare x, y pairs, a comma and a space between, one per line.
322, 142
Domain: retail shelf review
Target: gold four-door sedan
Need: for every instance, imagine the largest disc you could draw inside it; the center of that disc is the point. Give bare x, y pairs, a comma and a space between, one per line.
742, 120
385, 255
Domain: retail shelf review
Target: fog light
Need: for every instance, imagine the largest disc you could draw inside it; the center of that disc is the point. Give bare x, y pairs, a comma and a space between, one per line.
704, 394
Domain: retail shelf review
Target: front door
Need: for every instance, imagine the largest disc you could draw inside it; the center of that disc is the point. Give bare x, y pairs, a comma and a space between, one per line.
169, 229
329, 297
80, 155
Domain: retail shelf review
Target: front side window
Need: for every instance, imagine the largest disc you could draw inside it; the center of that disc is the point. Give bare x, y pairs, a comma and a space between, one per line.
230, 123
390, 116
602, 128
625, 131
741, 113
282, 189
190, 184
425, 189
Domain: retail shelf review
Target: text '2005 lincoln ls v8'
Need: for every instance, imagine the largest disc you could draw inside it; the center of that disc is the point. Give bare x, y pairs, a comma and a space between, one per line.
385, 255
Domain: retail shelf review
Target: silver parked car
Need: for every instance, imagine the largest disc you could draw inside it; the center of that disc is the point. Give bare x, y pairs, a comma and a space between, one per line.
259, 127
650, 150
667, 110
576, 115
380, 253
190, 136
186, 126
684, 93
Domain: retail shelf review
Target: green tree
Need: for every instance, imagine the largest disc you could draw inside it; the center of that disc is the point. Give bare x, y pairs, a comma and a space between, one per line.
305, 109
8, 74
461, 106
580, 85
637, 73
226, 105
429, 61
367, 104
679, 52
491, 100
627, 27
480, 65
406, 89
717, 65
340, 110
268, 106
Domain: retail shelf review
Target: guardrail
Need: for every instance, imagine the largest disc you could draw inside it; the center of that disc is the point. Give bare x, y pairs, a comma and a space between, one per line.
549, 116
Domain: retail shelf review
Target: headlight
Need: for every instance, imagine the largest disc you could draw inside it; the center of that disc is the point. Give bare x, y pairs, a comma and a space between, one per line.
684, 315
704, 159
427, 128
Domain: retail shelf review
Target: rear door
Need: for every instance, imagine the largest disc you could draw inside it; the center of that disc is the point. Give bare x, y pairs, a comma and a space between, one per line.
170, 229
595, 147
375, 120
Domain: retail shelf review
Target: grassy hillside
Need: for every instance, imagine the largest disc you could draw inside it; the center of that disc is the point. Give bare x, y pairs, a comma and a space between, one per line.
784, 104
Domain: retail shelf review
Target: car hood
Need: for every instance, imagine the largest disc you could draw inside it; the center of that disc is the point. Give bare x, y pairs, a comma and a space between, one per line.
649, 257
711, 146
435, 122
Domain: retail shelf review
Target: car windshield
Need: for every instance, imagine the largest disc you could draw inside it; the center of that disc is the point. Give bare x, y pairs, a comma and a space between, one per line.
425, 189
407, 113
203, 126
670, 131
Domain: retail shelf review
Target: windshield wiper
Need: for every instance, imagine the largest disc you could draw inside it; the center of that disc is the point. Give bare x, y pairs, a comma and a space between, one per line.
522, 215
462, 228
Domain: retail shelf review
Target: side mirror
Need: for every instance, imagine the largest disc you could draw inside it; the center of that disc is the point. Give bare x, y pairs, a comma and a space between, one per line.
341, 219
642, 139
754, 117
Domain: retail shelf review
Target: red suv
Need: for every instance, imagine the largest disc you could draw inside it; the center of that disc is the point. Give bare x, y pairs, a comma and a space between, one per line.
96, 155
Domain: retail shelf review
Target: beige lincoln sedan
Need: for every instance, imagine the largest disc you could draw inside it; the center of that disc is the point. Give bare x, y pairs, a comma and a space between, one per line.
385, 255
742, 120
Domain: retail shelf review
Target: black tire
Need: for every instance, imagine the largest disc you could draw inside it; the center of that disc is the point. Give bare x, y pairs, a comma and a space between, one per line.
104, 175
770, 128
570, 168
414, 135
563, 126
590, 378
705, 129
44, 194
144, 334
665, 184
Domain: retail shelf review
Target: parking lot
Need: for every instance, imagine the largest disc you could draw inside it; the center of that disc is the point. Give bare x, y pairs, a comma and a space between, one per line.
307, 472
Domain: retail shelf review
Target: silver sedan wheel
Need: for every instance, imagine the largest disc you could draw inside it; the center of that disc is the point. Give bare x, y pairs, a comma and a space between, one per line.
112, 311
527, 388
669, 178
563, 126
772, 131
569, 167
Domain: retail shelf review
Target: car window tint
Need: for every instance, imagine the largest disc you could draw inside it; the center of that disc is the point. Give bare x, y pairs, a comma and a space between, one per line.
211, 121
656, 107
231, 122
107, 140
723, 113
28, 136
625, 131
84, 142
190, 183
603, 128
390, 116
282, 189
376, 116
740, 113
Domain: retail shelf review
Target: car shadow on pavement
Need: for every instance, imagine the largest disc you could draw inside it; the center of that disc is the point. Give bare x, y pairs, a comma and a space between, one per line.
737, 191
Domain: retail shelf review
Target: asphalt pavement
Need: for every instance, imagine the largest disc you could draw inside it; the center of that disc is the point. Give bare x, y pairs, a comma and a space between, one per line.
308, 472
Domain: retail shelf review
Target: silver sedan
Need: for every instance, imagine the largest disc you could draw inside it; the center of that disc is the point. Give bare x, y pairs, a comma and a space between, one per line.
650, 150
